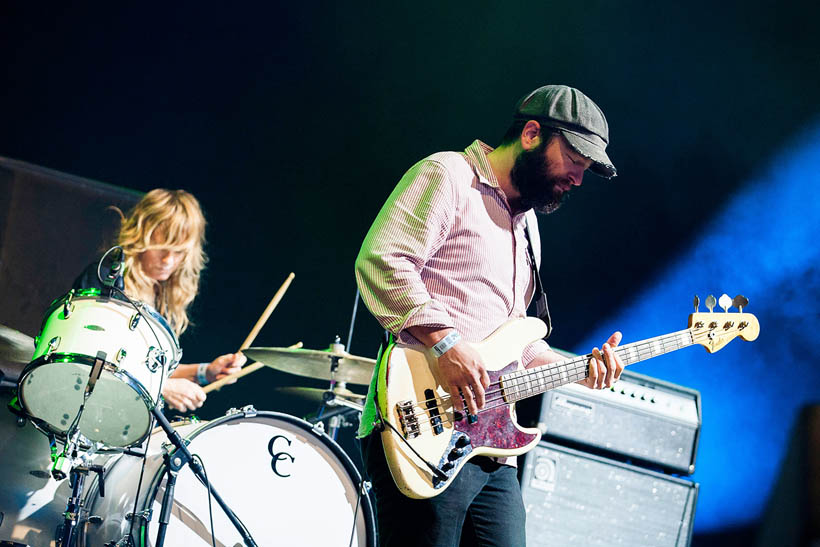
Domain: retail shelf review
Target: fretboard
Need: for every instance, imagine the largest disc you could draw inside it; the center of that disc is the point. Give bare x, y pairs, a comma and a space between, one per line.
534, 381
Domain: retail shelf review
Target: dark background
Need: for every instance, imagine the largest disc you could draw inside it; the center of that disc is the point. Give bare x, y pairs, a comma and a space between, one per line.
291, 123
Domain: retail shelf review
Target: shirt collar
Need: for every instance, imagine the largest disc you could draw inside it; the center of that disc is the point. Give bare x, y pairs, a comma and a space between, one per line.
477, 156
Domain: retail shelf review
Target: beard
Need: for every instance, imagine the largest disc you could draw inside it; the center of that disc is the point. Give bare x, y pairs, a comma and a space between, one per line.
531, 176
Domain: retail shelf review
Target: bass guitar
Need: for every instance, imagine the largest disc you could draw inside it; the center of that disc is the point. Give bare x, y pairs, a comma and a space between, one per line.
426, 442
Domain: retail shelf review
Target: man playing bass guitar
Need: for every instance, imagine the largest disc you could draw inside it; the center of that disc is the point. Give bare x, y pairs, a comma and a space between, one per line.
449, 260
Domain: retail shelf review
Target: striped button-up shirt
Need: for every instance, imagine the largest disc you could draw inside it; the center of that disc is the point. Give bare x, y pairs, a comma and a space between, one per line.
446, 251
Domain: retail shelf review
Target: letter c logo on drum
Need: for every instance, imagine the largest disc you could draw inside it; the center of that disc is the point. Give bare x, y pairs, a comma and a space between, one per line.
278, 455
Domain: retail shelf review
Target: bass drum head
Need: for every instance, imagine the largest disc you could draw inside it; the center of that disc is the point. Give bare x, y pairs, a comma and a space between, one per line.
289, 483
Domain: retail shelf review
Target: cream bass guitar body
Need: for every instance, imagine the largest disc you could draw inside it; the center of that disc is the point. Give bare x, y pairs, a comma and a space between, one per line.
426, 442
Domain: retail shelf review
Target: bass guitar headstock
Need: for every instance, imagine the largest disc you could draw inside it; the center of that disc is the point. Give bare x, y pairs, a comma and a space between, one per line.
713, 330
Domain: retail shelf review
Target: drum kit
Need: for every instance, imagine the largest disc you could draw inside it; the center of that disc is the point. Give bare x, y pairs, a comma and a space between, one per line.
99, 465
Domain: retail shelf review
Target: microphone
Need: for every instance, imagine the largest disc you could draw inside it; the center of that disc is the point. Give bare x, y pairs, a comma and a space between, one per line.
114, 278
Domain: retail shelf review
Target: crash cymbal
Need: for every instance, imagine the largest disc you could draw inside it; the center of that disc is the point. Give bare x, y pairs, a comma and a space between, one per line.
316, 363
15, 347
317, 395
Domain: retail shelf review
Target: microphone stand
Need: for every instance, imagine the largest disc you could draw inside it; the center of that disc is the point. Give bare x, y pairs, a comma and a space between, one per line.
174, 461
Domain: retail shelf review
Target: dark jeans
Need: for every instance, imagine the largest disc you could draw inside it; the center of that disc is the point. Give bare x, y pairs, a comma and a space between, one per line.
484, 499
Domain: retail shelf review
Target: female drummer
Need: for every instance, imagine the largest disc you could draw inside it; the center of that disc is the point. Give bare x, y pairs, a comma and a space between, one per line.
162, 238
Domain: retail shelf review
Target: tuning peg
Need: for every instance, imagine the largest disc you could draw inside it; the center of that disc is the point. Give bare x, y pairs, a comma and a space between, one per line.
740, 302
725, 302
710, 303
696, 302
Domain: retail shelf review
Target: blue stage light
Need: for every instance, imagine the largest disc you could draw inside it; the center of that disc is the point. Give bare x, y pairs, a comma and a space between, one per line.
764, 243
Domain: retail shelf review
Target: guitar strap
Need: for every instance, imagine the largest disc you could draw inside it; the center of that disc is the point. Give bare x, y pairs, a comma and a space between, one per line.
542, 309
541, 306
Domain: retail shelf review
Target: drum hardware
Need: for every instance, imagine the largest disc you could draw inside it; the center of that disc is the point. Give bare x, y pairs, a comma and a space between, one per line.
341, 408
155, 359
65, 461
144, 516
176, 460
247, 411
317, 395
75, 501
135, 320
74, 464
53, 344
68, 307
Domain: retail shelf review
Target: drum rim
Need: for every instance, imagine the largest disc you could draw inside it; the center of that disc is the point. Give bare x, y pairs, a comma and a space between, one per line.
82, 359
365, 502
96, 294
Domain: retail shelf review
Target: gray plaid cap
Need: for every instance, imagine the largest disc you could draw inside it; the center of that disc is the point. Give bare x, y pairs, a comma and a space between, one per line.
578, 118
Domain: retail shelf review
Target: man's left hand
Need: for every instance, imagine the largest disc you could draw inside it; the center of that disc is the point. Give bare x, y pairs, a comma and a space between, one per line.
605, 367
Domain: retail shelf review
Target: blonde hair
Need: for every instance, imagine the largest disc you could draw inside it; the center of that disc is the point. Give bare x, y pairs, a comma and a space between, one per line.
177, 219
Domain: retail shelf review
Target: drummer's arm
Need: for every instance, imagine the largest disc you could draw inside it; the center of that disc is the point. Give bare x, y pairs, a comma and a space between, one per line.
220, 367
188, 372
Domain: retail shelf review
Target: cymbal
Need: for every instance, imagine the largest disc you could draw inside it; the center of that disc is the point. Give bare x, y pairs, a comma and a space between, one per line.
15, 347
316, 395
316, 363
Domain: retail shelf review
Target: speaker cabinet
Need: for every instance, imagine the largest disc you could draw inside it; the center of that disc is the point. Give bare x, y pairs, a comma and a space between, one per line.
52, 225
574, 498
641, 418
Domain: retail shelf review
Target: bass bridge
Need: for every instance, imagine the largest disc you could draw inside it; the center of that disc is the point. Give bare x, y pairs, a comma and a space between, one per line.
407, 419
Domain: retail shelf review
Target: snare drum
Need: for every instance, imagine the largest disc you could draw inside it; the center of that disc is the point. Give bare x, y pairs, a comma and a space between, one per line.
288, 482
135, 348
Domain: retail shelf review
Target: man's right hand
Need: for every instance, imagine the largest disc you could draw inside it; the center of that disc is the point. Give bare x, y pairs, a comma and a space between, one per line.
463, 372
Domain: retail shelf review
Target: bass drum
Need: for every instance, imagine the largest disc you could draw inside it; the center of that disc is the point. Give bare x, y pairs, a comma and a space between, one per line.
288, 482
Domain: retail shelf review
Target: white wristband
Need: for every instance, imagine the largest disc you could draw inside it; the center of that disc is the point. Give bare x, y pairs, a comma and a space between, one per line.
446, 343
201, 378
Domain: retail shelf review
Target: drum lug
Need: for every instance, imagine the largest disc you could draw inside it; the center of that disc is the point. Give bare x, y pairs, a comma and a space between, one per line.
135, 320
95, 519
319, 428
142, 515
53, 344
155, 359
120, 355
247, 411
68, 307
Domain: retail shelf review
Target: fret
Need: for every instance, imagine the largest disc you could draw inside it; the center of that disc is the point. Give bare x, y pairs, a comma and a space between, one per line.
526, 383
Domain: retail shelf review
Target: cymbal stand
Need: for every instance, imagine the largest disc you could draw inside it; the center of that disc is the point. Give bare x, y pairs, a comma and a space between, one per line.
174, 461
336, 417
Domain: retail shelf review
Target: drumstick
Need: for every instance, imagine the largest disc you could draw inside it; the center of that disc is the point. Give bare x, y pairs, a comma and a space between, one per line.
265, 314
252, 336
244, 372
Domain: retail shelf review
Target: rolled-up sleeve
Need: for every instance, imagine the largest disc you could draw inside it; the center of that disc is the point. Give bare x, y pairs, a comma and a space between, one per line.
409, 229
